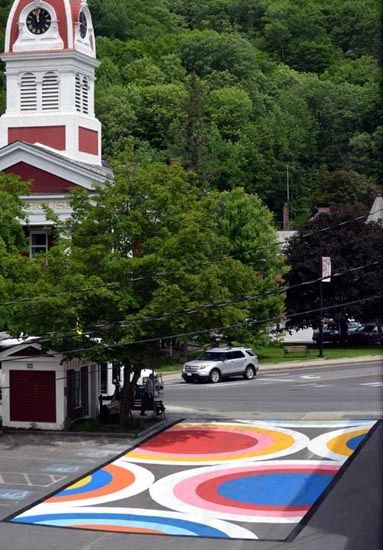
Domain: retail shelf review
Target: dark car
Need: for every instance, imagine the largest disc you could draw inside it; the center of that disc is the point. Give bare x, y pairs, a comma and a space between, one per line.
367, 335
329, 336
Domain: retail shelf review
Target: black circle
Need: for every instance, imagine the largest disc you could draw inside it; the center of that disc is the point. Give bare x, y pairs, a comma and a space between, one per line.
38, 21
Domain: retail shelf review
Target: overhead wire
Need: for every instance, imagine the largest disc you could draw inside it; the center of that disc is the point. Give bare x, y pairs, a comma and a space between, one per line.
182, 269
193, 333
204, 307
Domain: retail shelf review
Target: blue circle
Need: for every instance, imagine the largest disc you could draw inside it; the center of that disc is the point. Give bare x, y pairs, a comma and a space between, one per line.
354, 442
277, 489
98, 479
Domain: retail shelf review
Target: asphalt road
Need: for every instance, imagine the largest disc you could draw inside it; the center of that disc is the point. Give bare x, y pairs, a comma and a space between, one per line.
353, 391
349, 518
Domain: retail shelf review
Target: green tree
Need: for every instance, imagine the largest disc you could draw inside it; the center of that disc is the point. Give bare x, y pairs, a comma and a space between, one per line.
15, 265
349, 245
230, 109
207, 51
149, 249
343, 187
295, 31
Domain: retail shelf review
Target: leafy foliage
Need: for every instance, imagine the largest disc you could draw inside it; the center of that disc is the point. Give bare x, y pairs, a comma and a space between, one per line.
145, 261
348, 245
240, 90
280, 83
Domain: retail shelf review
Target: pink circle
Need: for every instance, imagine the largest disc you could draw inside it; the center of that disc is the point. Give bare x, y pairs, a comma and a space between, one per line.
187, 492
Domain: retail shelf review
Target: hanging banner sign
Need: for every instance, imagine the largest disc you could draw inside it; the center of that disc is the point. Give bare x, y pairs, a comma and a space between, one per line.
326, 269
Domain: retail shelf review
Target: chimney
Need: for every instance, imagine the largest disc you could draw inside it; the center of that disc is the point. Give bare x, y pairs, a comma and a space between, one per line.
286, 216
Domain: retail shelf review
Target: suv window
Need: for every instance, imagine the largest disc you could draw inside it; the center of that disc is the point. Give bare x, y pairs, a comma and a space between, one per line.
212, 356
236, 355
249, 352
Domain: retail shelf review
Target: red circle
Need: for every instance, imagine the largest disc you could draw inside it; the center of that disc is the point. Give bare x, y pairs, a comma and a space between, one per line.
188, 442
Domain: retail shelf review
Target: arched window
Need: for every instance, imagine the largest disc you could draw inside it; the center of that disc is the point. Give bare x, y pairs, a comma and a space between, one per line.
50, 92
28, 92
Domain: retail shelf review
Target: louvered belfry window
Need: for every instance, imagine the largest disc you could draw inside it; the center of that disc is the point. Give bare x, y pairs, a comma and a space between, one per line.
85, 95
82, 94
78, 93
28, 92
50, 92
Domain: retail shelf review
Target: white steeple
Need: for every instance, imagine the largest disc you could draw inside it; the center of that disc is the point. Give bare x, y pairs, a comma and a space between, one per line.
50, 59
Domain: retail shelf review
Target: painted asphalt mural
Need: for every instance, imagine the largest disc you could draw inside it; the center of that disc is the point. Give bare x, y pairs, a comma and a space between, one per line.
239, 480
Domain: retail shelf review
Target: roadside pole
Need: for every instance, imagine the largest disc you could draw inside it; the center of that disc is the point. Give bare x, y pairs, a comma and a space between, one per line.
320, 339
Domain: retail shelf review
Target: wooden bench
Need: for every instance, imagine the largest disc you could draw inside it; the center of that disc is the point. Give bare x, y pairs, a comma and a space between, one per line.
148, 404
294, 349
112, 408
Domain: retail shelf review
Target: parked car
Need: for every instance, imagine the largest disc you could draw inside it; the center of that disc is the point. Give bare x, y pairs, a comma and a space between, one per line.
218, 363
353, 326
329, 336
367, 335
333, 335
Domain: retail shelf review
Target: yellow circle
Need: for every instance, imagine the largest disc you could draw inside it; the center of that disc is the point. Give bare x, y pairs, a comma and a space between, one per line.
339, 443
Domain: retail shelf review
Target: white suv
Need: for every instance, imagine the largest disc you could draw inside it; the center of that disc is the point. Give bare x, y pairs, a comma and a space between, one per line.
217, 363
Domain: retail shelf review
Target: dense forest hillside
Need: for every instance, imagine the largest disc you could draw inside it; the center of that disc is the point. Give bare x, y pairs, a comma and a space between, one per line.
243, 92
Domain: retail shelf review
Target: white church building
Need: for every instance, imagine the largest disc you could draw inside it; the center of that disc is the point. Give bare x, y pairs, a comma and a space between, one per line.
49, 134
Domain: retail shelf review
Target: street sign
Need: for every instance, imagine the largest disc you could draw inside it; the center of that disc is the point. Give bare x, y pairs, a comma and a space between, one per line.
326, 269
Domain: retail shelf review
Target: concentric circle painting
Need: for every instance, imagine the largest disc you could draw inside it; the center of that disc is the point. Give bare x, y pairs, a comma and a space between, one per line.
112, 482
243, 480
134, 521
277, 491
217, 442
338, 444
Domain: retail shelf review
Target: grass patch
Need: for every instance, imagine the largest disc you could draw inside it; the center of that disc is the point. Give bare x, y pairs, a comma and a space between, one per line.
275, 353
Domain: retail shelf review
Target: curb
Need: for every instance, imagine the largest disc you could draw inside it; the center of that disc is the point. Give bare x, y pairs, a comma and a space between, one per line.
323, 362
173, 377
135, 437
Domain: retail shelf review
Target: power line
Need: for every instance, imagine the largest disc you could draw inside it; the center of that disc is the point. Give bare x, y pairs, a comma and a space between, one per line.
185, 268
248, 322
205, 307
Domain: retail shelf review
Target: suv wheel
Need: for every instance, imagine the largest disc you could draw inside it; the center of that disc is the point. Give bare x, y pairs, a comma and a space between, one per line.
215, 376
249, 373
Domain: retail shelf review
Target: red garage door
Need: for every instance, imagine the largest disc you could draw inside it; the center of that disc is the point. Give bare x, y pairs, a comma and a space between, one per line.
32, 396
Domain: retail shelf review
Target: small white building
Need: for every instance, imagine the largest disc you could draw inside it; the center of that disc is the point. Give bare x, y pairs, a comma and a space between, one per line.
41, 390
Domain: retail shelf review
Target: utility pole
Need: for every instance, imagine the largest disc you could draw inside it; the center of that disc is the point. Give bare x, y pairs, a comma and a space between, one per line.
320, 340
287, 184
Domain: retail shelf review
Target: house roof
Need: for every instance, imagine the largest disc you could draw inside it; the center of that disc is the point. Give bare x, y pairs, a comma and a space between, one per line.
48, 159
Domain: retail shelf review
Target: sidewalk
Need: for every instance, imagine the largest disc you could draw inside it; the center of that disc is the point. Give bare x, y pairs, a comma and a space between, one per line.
174, 377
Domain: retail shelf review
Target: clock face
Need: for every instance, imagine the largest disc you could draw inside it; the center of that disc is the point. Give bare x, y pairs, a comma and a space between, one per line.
38, 21
83, 25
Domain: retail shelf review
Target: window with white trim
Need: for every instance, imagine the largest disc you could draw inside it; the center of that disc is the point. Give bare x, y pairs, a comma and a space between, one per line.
50, 92
28, 92
38, 242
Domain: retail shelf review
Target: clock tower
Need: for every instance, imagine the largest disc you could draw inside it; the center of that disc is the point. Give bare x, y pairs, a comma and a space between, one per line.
50, 59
